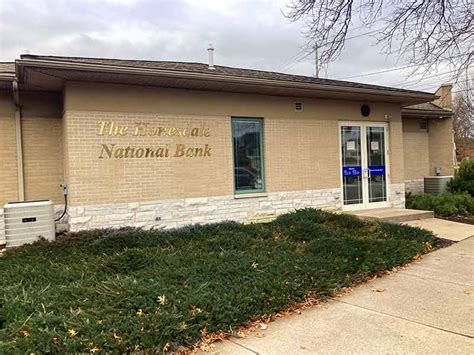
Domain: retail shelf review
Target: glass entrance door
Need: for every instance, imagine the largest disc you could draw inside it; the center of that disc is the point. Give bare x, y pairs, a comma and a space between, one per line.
363, 160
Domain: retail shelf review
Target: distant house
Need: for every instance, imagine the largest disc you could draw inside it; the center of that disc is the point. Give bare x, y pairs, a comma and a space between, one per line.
164, 144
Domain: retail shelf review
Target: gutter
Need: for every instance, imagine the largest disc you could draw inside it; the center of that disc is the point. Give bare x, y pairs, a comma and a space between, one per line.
406, 112
19, 141
116, 69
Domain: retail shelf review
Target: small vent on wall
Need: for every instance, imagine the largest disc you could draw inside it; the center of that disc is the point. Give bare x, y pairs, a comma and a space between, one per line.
298, 106
424, 125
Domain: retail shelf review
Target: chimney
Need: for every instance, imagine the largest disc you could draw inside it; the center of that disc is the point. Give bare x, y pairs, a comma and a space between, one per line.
445, 98
210, 51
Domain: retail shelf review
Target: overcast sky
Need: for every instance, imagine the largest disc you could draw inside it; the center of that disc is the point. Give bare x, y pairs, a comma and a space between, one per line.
245, 33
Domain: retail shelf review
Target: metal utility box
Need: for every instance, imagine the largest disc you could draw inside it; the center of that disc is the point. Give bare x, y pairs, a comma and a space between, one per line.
26, 221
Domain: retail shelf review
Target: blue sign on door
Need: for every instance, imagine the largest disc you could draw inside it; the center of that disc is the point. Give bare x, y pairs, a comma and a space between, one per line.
377, 170
351, 171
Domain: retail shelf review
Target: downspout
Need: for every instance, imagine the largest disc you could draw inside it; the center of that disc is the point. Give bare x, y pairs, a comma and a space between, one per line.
19, 142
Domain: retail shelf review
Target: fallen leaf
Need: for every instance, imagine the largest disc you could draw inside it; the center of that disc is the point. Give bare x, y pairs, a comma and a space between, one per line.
378, 289
162, 300
259, 335
241, 334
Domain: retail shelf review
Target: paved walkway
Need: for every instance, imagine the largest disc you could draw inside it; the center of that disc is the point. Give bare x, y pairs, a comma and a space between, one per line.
426, 308
445, 229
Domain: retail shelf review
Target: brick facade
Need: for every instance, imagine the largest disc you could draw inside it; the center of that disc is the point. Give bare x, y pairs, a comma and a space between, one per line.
42, 158
62, 143
423, 151
8, 158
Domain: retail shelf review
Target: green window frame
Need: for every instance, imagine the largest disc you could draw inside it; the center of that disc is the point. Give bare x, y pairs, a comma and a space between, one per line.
254, 173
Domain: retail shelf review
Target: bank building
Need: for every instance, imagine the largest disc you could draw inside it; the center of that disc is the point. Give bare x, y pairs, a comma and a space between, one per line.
159, 144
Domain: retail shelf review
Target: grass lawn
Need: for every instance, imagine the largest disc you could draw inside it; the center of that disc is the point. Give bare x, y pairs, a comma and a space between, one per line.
128, 290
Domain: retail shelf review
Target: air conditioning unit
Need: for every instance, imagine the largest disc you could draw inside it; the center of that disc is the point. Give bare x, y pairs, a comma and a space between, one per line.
436, 184
26, 222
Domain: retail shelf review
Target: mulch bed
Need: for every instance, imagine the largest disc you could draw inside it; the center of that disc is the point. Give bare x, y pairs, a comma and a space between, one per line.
460, 219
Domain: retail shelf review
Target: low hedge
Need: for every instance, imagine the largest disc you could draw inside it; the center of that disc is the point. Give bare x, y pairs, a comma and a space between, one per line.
446, 205
133, 290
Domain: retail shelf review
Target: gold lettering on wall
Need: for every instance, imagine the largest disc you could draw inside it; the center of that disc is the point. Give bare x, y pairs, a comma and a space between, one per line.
143, 129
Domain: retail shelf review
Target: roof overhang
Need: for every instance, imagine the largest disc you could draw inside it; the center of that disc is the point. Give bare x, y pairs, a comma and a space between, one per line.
6, 80
417, 113
40, 74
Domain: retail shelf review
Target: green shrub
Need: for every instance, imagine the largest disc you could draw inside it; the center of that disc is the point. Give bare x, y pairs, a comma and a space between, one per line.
447, 204
463, 180
132, 290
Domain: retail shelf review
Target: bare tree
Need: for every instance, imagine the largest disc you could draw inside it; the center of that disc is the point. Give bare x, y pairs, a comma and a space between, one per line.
462, 118
425, 32
463, 121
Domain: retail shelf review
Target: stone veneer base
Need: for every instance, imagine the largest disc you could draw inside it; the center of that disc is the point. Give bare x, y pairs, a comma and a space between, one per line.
176, 213
180, 212
397, 195
415, 186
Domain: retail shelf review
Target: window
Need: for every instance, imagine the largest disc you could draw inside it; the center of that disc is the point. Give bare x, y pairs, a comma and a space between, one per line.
424, 125
247, 136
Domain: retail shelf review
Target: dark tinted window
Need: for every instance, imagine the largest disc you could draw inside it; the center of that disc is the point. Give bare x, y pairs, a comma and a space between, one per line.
247, 135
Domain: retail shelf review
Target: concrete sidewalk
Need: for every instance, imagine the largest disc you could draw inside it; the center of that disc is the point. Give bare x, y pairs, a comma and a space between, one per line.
426, 308
445, 229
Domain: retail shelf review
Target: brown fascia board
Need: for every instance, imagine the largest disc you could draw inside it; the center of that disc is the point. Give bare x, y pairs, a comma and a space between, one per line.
7, 77
426, 113
21, 64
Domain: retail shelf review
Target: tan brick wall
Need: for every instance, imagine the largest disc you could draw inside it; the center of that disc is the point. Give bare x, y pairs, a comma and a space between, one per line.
445, 96
301, 148
301, 154
42, 155
94, 180
441, 146
415, 150
396, 158
423, 151
8, 159
42, 158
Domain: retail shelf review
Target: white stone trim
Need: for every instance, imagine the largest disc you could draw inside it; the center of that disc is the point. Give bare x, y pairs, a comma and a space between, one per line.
415, 186
3, 240
175, 213
61, 225
397, 195
180, 212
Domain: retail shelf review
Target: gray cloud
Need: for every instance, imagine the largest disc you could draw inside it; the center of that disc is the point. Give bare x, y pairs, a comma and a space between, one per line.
249, 34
